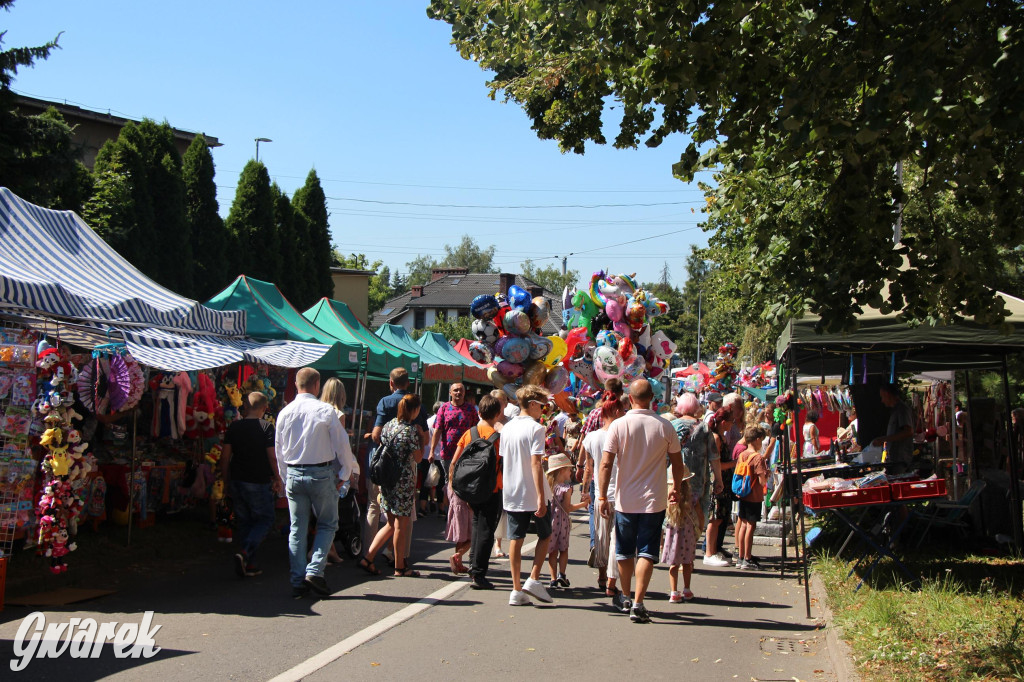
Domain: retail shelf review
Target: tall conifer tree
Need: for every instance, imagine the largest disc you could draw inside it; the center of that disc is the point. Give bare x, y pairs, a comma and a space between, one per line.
251, 223
206, 228
311, 203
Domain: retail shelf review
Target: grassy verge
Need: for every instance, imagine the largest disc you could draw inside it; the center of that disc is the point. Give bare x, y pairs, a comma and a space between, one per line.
965, 623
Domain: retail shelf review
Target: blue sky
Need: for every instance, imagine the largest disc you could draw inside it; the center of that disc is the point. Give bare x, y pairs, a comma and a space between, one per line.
376, 99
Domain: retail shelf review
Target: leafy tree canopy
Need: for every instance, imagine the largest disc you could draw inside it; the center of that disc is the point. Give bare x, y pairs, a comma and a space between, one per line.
466, 254
550, 276
451, 329
807, 103
380, 289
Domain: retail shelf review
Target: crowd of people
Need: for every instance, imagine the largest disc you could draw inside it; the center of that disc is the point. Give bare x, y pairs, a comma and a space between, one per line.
652, 483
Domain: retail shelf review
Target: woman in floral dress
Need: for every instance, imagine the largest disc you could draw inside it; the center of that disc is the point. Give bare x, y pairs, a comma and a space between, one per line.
397, 501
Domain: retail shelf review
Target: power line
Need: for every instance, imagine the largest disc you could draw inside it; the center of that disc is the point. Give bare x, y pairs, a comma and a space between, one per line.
494, 207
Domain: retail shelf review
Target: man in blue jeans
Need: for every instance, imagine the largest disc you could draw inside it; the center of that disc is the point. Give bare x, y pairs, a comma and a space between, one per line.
310, 442
639, 443
249, 468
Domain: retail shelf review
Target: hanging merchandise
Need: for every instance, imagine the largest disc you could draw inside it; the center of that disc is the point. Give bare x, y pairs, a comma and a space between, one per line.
725, 372
66, 462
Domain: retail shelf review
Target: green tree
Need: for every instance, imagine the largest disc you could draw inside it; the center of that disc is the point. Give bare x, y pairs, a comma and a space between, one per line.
310, 202
550, 276
120, 209
289, 279
210, 242
451, 329
823, 98
251, 223
138, 203
172, 266
419, 269
37, 159
379, 286
467, 254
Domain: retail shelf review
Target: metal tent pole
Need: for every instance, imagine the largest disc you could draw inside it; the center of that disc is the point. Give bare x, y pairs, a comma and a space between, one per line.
954, 432
1011, 445
786, 499
973, 466
131, 480
799, 477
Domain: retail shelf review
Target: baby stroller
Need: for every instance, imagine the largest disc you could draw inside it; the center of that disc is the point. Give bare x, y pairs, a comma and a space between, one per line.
349, 537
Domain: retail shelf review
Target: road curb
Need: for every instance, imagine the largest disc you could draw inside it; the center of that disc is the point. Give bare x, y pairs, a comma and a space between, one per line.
839, 653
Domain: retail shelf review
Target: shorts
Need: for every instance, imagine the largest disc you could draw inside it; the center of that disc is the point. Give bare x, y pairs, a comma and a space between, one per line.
638, 535
721, 507
751, 511
522, 522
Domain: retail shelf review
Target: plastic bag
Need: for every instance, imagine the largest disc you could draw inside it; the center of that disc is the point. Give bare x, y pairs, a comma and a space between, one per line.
433, 475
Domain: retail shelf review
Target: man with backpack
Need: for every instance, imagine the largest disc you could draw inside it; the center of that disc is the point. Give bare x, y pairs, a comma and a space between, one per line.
476, 478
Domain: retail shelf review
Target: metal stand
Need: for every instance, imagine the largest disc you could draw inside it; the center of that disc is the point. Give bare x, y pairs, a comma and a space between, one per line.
799, 476
131, 480
1011, 445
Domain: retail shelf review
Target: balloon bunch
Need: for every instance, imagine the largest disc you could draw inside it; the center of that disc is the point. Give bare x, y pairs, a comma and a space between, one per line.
757, 376
507, 330
608, 333
725, 368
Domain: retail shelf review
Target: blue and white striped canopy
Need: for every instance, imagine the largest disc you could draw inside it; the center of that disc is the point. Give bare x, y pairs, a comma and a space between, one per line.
52, 263
175, 352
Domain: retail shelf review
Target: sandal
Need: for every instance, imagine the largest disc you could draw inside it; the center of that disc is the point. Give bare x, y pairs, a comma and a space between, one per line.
612, 592
406, 573
368, 566
455, 563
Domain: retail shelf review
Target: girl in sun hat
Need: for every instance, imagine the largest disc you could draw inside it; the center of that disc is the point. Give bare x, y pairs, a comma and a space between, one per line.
684, 520
560, 480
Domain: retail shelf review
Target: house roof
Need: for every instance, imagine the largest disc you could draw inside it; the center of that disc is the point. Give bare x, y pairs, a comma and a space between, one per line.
458, 291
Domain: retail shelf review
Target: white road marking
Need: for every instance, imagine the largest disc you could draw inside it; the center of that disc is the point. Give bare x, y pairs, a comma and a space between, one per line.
333, 653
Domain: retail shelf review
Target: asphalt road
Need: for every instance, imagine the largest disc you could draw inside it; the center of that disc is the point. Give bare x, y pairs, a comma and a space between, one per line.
742, 625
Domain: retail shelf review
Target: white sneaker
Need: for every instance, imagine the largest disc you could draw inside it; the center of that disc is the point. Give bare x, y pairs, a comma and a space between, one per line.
518, 598
536, 589
715, 560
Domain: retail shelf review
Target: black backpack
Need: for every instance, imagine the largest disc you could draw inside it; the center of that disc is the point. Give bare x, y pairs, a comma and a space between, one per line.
476, 473
385, 467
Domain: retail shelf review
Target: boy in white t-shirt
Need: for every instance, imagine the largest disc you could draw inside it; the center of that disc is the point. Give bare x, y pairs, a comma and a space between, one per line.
525, 493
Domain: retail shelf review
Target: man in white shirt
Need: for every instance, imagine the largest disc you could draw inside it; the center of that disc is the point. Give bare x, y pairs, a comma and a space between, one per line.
525, 493
309, 442
639, 443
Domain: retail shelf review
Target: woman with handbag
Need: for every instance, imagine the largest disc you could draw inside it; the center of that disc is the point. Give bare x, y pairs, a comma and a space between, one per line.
401, 439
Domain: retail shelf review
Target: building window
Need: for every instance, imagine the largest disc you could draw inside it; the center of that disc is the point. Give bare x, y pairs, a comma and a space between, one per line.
419, 319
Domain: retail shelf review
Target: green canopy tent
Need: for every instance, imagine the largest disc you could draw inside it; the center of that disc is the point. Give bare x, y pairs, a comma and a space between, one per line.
336, 318
436, 369
883, 345
270, 316
439, 346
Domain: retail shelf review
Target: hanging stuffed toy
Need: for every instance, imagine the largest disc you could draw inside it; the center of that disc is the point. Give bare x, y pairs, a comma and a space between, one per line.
165, 414
184, 387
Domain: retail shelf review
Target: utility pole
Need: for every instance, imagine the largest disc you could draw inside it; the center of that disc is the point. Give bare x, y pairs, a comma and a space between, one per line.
700, 296
564, 258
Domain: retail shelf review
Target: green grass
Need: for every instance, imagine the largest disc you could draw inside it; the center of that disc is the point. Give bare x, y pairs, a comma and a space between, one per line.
965, 623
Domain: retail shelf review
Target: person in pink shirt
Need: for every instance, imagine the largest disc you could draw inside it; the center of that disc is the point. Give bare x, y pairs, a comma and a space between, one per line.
639, 443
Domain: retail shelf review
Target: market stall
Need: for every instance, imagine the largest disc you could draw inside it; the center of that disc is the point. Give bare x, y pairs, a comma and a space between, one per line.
438, 345
87, 417
884, 346
269, 316
436, 369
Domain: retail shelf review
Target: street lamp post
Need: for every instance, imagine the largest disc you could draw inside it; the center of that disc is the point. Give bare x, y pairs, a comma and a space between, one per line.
700, 296
258, 140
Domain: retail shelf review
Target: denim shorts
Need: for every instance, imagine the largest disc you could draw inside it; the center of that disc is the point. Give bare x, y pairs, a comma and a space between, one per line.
638, 535
519, 524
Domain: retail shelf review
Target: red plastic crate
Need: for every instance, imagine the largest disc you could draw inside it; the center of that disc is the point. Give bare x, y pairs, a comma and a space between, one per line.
847, 498
912, 490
